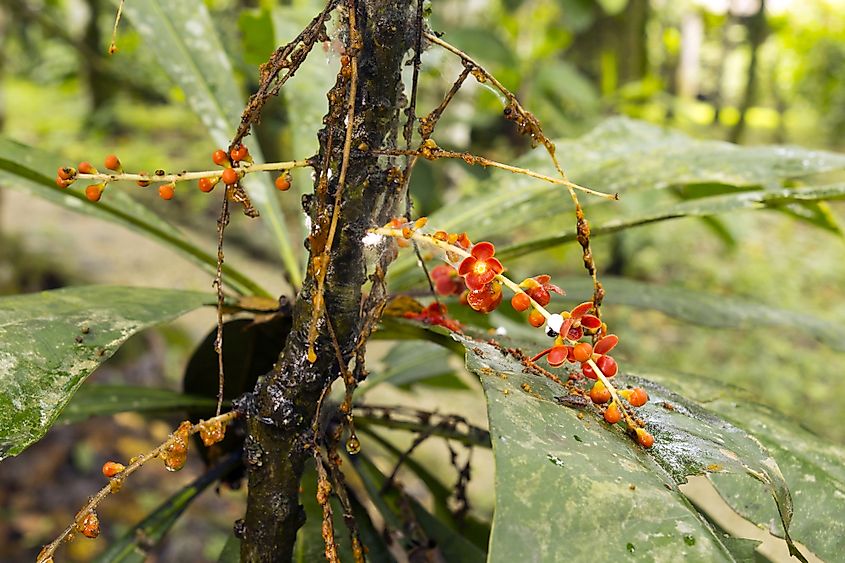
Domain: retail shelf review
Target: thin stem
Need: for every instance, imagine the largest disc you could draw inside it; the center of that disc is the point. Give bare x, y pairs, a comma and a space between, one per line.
613, 393
116, 482
113, 43
245, 167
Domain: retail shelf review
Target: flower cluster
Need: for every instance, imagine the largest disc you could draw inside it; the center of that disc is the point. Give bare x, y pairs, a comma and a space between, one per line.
473, 272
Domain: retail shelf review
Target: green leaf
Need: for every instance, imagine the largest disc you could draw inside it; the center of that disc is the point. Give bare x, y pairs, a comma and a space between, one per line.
415, 363
781, 199
136, 544
103, 400
231, 552
593, 475
702, 308
29, 170
51, 341
183, 39
813, 467
446, 543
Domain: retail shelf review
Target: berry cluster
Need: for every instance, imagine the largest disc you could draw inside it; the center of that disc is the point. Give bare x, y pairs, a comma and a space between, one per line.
580, 337
236, 163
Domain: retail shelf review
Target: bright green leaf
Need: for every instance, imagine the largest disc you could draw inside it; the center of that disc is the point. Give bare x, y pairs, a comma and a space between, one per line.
51, 341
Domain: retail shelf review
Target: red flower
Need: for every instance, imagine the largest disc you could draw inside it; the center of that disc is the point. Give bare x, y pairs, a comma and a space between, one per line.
539, 288
605, 363
446, 280
577, 320
480, 268
485, 299
435, 314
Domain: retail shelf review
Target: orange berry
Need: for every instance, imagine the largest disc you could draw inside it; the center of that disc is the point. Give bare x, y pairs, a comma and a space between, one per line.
112, 468
644, 439
112, 162
220, 157
94, 192
520, 302
167, 191
612, 414
90, 525
599, 393
230, 176
63, 183
239, 153
207, 184
86, 168
283, 182
582, 351
66, 172
638, 397
536, 318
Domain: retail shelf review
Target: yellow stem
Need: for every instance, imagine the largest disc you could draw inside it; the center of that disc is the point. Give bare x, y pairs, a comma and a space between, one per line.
245, 167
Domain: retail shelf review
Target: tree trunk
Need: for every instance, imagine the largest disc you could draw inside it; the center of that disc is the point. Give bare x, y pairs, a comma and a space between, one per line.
757, 31
279, 418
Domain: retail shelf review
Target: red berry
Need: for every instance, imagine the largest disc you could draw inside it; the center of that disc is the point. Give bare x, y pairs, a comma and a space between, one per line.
638, 397
94, 192
230, 176
112, 468
86, 168
485, 299
588, 372
612, 413
283, 183
540, 295
220, 157
582, 351
599, 393
557, 356
166, 191
63, 183
520, 302
608, 366
239, 153
112, 162
536, 318
644, 439
207, 184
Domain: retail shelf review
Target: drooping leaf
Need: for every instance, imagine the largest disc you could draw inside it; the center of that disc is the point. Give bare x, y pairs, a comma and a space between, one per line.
51, 341
593, 475
183, 39
27, 169
103, 400
704, 308
783, 199
136, 544
813, 467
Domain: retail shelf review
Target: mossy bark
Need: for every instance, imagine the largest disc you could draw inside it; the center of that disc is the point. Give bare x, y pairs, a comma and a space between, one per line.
281, 414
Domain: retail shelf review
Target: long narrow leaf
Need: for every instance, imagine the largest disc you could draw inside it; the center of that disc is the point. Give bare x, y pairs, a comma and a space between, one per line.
185, 42
102, 400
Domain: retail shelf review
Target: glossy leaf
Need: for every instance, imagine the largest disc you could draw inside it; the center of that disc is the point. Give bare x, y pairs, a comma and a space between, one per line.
29, 170
136, 544
813, 467
103, 400
593, 475
51, 341
183, 39
706, 309
789, 200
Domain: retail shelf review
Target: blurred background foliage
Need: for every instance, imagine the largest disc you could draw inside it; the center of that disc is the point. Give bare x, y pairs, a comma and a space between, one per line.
747, 71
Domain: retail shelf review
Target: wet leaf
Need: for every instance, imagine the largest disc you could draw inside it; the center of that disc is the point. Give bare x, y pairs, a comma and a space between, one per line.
103, 400
51, 341
594, 475
812, 466
182, 37
136, 544
29, 170
702, 308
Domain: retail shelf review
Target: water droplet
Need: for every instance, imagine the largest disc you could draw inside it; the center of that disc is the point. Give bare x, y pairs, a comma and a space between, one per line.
630, 547
689, 540
353, 445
